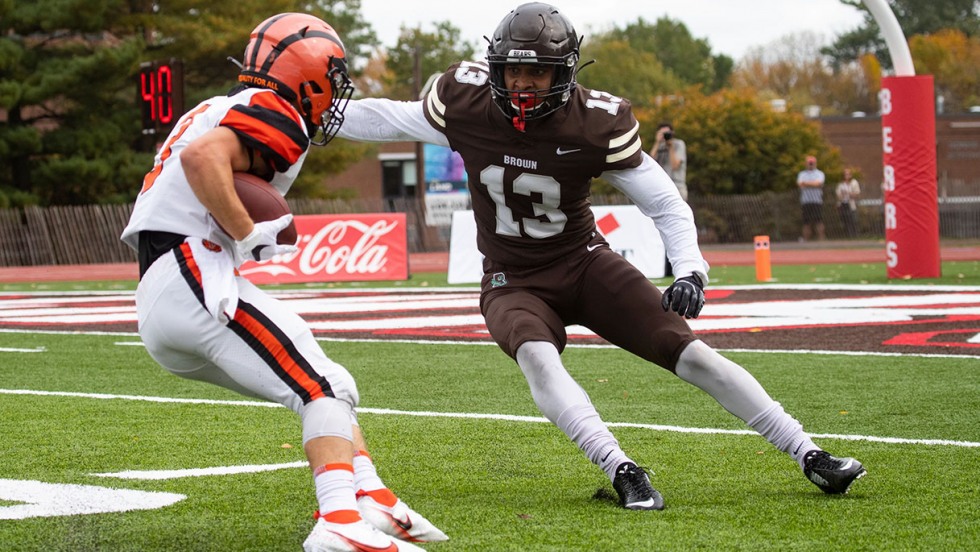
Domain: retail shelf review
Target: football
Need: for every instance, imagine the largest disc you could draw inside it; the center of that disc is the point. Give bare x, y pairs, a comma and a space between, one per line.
263, 202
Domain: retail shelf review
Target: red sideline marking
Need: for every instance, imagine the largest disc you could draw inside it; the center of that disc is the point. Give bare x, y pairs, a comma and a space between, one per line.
926, 339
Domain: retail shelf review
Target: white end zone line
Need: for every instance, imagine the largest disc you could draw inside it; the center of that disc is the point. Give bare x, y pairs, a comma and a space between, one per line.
480, 416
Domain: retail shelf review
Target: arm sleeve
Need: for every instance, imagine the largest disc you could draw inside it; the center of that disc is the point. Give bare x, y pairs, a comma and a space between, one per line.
652, 190
383, 120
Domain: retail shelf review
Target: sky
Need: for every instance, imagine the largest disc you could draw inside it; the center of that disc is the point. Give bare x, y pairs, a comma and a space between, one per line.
731, 27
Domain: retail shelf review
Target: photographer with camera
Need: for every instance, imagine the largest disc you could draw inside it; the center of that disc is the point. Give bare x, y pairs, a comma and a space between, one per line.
671, 153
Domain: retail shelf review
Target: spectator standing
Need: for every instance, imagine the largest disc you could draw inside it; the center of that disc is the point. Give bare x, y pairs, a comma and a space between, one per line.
671, 153
848, 190
810, 181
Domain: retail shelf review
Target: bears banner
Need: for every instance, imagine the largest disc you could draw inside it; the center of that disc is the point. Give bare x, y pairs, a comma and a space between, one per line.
340, 248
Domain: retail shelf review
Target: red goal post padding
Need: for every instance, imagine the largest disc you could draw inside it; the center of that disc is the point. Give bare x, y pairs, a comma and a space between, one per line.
908, 124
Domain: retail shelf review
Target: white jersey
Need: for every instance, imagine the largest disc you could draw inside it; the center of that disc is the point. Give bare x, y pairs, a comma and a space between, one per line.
197, 317
261, 119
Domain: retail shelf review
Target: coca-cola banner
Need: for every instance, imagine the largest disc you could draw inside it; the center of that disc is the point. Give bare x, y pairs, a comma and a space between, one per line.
340, 248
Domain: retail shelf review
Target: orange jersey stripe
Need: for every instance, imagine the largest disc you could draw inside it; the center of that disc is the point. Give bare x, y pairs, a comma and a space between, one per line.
190, 271
279, 353
270, 126
167, 149
185, 250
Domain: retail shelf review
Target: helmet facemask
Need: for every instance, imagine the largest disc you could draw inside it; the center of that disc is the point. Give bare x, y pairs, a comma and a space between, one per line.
332, 117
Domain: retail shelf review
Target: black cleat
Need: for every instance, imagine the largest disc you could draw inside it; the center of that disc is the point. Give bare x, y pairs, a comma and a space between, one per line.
832, 475
633, 486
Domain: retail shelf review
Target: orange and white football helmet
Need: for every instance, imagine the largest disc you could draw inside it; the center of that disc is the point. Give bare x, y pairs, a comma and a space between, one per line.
302, 59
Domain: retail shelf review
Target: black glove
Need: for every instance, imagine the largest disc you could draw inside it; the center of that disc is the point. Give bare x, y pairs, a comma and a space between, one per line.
685, 296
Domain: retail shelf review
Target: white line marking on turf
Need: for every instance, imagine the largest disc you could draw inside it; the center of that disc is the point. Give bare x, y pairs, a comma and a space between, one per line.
485, 343
846, 353
156, 475
40, 499
106, 396
503, 417
16, 350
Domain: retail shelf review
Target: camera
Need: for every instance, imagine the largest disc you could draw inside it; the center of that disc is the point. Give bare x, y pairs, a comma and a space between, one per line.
668, 135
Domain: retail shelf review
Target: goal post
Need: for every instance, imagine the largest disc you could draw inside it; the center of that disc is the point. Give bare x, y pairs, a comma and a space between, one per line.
908, 132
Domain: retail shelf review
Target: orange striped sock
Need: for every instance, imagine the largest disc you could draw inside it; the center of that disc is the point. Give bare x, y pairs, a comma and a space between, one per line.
366, 480
335, 492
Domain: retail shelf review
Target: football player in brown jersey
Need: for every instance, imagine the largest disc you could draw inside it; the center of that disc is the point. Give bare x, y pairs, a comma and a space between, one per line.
532, 140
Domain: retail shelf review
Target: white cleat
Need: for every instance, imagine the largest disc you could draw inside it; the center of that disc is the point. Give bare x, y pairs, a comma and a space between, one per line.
399, 520
353, 537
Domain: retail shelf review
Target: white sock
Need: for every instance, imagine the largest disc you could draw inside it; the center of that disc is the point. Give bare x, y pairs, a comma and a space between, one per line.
783, 431
584, 427
365, 474
335, 492
563, 401
740, 393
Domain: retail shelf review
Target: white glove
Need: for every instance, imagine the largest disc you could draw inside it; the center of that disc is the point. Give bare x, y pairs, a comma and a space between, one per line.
261, 244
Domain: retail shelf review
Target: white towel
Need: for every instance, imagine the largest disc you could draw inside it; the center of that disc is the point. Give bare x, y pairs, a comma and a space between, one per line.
217, 267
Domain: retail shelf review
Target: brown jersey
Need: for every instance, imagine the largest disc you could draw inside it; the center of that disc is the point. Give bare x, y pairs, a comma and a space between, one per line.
530, 190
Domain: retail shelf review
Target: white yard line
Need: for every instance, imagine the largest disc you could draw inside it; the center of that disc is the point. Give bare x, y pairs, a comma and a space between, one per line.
17, 350
486, 343
500, 417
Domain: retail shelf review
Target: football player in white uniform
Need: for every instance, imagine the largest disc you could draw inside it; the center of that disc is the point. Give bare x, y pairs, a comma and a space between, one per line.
532, 140
201, 321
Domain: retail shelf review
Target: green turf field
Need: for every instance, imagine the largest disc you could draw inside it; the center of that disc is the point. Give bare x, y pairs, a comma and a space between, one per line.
494, 482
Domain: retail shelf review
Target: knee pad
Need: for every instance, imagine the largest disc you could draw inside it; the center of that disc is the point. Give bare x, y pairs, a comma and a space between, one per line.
327, 417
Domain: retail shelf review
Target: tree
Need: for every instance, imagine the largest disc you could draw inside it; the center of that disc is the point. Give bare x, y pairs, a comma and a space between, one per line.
793, 69
67, 96
688, 58
69, 125
418, 54
954, 61
914, 16
736, 144
205, 35
647, 80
